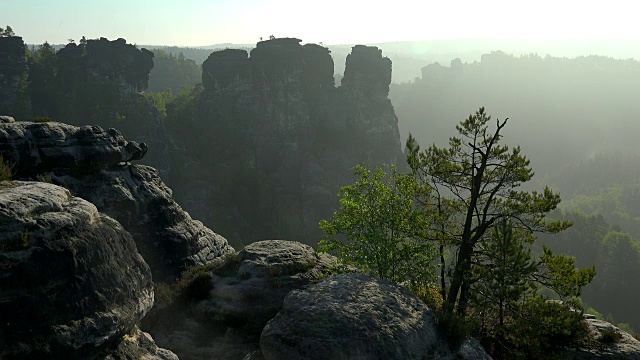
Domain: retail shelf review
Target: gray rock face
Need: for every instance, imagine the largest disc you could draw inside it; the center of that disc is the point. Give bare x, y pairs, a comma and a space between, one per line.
37, 147
166, 236
624, 346
354, 316
248, 289
72, 280
13, 75
91, 162
138, 345
6, 119
284, 136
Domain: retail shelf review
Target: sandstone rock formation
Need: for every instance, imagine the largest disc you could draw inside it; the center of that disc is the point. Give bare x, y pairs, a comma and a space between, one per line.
247, 290
285, 138
101, 82
73, 283
93, 164
138, 345
13, 75
357, 317
42, 147
609, 343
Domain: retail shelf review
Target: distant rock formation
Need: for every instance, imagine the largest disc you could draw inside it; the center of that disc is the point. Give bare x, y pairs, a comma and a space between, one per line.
354, 316
13, 75
101, 61
73, 284
436, 72
275, 139
93, 164
101, 82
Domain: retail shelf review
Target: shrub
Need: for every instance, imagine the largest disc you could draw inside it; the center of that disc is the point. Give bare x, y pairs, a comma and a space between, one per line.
6, 169
609, 336
540, 332
42, 119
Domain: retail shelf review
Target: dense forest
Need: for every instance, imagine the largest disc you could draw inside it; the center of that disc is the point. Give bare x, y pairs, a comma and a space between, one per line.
248, 140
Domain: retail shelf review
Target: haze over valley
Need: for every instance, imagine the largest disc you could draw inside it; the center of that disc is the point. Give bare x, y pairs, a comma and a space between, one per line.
405, 180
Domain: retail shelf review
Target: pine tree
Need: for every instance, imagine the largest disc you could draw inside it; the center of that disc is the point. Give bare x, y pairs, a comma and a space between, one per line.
478, 176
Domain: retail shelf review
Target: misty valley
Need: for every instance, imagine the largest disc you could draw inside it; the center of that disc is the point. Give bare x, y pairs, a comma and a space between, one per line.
294, 200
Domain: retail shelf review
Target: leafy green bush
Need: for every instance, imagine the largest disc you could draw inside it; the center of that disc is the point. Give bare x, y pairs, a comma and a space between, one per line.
541, 331
609, 336
379, 230
42, 119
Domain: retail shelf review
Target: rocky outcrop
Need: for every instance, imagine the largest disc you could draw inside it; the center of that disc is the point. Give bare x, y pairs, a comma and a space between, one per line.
609, 343
138, 345
13, 75
247, 290
73, 283
357, 317
101, 82
93, 164
42, 147
167, 237
102, 60
284, 136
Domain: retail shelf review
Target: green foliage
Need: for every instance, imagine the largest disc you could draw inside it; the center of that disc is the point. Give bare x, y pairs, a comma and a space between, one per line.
6, 32
45, 177
379, 230
171, 72
559, 273
194, 284
609, 336
160, 100
626, 328
478, 177
540, 331
44, 86
6, 170
504, 270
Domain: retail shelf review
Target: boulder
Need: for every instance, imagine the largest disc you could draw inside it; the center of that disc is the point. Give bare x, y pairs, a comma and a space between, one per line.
39, 147
93, 164
609, 342
72, 280
139, 345
6, 119
247, 291
354, 316
167, 237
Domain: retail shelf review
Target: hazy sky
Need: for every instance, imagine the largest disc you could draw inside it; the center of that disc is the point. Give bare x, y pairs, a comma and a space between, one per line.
207, 22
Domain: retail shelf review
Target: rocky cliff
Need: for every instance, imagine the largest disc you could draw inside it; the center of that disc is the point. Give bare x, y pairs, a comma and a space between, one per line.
101, 82
94, 164
275, 139
13, 76
73, 284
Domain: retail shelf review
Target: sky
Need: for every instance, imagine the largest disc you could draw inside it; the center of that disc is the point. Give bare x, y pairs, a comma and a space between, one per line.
208, 22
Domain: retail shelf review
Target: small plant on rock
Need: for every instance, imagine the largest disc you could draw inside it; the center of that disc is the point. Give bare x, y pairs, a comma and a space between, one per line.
6, 170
